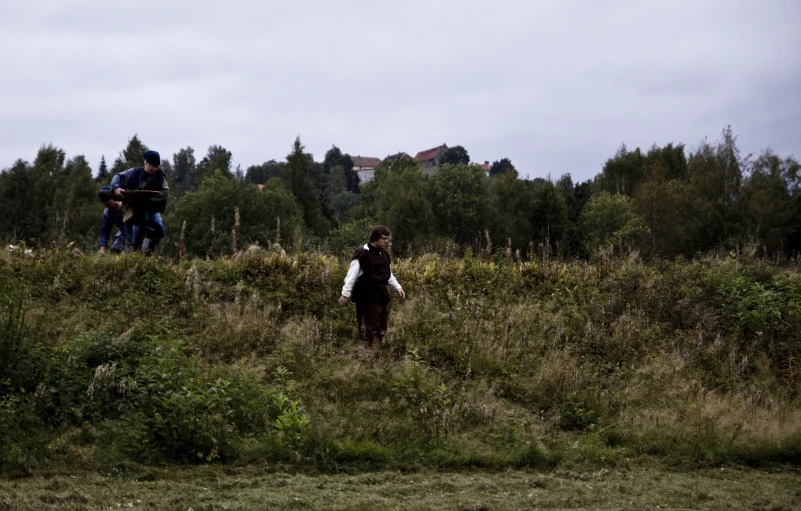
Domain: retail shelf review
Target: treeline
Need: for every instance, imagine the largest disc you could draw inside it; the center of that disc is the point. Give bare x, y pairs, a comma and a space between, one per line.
664, 202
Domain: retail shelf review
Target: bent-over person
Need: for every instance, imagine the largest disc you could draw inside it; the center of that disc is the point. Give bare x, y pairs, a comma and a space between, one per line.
366, 285
142, 219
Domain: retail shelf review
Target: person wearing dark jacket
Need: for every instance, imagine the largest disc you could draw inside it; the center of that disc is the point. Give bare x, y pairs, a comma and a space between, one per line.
112, 216
142, 211
366, 285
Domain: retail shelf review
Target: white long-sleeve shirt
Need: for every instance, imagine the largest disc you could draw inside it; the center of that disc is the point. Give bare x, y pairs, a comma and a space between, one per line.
355, 271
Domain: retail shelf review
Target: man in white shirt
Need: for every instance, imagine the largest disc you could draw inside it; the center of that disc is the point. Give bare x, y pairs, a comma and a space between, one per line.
366, 285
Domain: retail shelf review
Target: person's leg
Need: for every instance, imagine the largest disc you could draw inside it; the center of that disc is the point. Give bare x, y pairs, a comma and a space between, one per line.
120, 238
119, 242
372, 324
154, 231
149, 245
133, 233
360, 324
106, 223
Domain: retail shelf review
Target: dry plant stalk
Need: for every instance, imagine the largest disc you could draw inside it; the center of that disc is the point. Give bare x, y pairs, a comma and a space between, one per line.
213, 249
182, 243
235, 231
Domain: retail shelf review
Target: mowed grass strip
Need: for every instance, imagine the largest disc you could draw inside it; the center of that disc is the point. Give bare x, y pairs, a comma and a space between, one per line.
215, 487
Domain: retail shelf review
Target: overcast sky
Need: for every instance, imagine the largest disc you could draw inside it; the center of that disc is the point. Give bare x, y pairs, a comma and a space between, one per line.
556, 86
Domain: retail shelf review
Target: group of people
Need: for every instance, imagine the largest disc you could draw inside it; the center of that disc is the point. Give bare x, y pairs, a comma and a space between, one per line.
134, 202
136, 198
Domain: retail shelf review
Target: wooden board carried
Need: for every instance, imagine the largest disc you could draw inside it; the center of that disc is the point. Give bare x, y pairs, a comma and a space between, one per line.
129, 196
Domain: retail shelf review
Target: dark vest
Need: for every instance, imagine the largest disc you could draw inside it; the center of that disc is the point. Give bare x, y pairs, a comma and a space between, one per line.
140, 180
371, 286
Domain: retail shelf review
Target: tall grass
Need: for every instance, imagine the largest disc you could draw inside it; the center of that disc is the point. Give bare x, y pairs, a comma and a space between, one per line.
491, 362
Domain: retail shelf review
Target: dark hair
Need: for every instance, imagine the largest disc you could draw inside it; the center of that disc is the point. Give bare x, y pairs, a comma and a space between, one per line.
378, 231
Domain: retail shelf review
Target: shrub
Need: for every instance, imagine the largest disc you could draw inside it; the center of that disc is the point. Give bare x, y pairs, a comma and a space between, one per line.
430, 405
191, 412
23, 358
577, 413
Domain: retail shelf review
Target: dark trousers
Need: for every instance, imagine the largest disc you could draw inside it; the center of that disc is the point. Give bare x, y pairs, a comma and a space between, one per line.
372, 322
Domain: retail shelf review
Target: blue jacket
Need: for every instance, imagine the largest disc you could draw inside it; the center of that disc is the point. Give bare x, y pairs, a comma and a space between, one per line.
138, 179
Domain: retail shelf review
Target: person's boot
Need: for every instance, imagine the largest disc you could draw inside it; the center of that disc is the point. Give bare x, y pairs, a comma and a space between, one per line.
146, 246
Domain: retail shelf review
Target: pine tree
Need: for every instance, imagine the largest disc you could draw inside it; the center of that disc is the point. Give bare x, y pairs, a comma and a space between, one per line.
102, 171
300, 184
184, 170
131, 156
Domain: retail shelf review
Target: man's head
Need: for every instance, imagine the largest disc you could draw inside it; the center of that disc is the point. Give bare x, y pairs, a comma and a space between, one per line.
152, 161
106, 199
380, 237
112, 205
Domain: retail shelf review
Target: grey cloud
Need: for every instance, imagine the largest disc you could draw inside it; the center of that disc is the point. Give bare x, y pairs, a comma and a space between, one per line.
555, 86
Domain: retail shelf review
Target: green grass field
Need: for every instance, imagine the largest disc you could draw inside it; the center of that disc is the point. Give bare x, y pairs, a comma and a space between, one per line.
238, 488
608, 384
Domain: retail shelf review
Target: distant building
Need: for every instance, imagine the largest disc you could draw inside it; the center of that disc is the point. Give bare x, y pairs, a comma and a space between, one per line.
365, 166
485, 166
365, 162
393, 157
428, 160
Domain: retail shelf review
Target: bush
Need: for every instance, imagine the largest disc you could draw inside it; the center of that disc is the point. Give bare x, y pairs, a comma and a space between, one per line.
194, 413
577, 413
23, 358
430, 405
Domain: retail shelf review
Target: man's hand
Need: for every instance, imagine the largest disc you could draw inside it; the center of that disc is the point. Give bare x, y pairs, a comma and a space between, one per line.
119, 192
343, 300
401, 294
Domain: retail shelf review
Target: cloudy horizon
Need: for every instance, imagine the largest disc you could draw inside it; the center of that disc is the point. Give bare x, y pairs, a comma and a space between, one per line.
556, 87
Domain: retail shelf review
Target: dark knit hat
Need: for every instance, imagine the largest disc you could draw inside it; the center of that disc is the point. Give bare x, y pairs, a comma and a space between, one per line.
153, 158
104, 194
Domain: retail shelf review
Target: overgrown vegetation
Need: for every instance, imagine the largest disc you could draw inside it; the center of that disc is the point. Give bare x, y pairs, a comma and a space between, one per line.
666, 202
490, 363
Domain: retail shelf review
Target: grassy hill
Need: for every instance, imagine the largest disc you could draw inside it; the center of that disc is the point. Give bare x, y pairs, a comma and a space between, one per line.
490, 363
